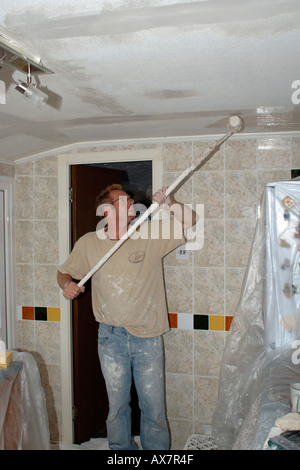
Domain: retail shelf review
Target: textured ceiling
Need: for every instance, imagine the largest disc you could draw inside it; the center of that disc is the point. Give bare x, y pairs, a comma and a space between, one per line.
150, 68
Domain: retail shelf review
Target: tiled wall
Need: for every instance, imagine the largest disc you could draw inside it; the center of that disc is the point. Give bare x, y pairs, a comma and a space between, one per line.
37, 259
202, 290
7, 170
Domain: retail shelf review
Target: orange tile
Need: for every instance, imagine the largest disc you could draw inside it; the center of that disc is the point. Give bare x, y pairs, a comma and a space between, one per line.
228, 321
173, 320
216, 322
53, 314
28, 313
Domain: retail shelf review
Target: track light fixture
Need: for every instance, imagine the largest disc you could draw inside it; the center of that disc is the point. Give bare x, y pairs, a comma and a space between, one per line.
30, 90
15, 56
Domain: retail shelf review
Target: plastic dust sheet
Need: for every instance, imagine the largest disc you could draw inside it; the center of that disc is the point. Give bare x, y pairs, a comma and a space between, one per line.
260, 361
23, 413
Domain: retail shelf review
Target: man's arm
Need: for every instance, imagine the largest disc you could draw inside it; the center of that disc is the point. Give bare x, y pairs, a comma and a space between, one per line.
70, 289
183, 213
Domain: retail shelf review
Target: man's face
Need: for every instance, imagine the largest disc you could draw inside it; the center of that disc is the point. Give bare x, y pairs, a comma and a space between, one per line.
123, 205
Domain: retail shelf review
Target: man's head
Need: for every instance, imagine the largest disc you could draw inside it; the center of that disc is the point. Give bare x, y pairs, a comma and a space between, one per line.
104, 196
116, 202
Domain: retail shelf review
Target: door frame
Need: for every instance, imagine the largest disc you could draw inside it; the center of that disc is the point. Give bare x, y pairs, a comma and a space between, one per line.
64, 182
7, 185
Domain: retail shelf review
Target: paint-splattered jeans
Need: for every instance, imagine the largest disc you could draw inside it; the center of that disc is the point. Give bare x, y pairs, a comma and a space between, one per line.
121, 356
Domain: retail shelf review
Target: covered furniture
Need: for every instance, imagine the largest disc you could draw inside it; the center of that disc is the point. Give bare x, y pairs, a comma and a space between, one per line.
23, 413
261, 358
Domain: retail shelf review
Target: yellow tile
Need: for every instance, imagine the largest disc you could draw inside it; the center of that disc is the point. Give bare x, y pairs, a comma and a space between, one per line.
53, 314
216, 322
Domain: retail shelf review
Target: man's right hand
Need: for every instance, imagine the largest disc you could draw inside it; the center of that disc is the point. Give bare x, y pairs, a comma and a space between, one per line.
72, 291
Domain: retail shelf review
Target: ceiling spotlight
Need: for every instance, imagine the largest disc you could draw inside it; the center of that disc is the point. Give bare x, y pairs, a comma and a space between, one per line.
29, 90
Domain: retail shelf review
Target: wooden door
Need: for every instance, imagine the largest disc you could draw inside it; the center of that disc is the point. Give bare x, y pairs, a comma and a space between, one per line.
90, 398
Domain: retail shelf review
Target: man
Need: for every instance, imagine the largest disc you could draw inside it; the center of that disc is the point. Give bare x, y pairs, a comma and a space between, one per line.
129, 302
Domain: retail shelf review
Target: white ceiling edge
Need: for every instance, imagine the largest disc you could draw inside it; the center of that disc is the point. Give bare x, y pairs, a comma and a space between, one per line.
149, 141
7, 162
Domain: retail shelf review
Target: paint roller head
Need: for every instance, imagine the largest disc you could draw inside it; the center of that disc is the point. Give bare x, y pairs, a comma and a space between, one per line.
235, 124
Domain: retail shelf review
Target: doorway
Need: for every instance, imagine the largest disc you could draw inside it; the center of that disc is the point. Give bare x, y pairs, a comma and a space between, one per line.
90, 398
65, 161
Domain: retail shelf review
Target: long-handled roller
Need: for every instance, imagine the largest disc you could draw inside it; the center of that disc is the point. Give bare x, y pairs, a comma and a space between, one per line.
235, 124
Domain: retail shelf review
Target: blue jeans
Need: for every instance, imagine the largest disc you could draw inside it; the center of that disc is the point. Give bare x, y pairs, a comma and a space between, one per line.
121, 356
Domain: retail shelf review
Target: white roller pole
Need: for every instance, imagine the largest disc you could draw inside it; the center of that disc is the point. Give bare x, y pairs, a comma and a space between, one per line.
235, 124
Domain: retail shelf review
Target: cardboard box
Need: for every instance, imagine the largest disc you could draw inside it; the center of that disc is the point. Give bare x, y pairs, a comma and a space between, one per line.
5, 359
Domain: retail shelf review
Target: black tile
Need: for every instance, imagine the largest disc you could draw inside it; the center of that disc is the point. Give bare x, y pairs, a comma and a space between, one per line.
40, 313
201, 322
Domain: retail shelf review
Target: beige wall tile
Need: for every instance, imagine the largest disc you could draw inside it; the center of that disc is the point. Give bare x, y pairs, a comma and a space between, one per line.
178, 351
25, 286
208, 350
212, 252
26, 168
296, 153
208, 189
184, 193
45, 286
240, 194
24, 241
215, 162
47, 342
233, 285
238, 240
209, 291
179, 389
24, 197
45, 201
46, 242
205, 399
26, 335
46, 166
240, 154
180, 430
264, 177
177, 156
7, 170
273, 153
179, 285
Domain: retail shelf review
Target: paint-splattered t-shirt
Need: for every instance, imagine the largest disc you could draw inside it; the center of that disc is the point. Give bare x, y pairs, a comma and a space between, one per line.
128, 290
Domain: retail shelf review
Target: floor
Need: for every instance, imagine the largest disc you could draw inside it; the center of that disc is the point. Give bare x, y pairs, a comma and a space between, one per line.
194, 442
93, 444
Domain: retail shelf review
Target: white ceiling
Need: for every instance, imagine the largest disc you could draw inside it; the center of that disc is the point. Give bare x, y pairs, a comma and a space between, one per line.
137, 69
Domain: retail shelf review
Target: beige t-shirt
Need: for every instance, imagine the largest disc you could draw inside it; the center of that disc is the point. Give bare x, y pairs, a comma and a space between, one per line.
128, 290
